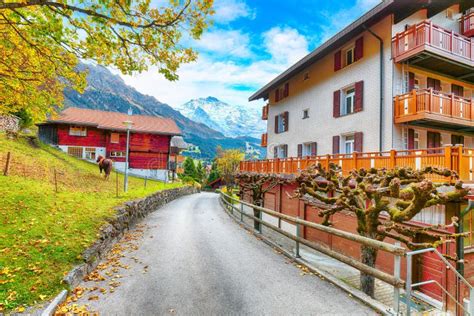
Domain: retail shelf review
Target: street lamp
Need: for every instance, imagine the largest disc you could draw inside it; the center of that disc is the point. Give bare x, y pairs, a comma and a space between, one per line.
128, 124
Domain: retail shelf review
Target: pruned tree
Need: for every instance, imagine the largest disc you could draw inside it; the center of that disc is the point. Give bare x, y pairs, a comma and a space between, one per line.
257, 184
41, 42
398, 194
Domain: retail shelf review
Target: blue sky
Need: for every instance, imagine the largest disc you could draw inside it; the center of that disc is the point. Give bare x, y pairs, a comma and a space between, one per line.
249, 43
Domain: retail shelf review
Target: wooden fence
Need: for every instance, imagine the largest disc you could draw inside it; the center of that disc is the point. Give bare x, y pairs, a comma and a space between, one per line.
456, 158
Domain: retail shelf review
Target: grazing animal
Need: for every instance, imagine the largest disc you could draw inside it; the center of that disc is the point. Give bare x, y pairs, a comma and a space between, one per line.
106, 165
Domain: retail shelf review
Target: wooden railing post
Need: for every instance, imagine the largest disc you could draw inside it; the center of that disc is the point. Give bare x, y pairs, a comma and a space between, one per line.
460, 166
430, 104
393, 153
412, 106
354, 159
448, 157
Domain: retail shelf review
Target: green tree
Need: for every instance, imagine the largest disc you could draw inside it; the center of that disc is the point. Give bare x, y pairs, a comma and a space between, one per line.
42, 41
200, 172
189, 168
214, 174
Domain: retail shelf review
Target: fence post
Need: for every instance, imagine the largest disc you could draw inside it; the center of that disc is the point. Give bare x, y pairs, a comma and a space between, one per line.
448, 157
298, 234
393, 153
260, 214
396, 274
241, 211
7, 164
55, 181
116, 183
408, 284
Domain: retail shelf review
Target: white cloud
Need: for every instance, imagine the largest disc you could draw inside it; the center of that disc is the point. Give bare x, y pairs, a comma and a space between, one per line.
286, 45
231, 43
226, 79
230, 10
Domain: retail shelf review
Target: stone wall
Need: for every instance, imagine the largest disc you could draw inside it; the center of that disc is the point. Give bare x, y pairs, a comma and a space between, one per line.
9, 123
125, 217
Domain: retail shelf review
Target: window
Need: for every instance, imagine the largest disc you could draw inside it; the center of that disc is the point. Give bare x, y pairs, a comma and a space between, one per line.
114, 138
349, 98
117, 154
307, 149
281, 151
281, 122
75, 151
78, 131
407, 141
349, 56
305, 113
90, 153
349, 144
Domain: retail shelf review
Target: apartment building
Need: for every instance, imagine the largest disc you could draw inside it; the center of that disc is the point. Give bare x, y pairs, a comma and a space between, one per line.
400, 77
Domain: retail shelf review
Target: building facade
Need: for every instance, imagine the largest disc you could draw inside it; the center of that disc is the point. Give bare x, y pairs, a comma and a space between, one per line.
87, 134
400, 77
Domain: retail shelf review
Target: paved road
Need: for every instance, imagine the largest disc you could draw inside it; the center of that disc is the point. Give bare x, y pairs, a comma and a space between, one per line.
194, 260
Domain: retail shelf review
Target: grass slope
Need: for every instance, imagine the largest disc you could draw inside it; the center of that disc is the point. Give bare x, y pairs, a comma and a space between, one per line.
43, 233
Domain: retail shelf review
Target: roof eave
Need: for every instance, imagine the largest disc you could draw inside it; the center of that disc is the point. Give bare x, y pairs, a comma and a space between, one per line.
320, 51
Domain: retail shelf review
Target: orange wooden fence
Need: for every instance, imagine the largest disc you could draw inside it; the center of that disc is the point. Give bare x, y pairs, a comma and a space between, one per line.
456, 158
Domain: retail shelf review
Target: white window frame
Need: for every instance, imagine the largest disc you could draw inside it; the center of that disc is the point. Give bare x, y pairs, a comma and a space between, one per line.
348, 93
117, 154
351, 50
305, 114
349, 144
416, 139
281, 151
281, 123
88, 151
77, 130
306, 150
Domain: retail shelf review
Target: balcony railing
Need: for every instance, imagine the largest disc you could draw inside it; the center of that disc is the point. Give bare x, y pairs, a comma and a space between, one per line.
427, 104
426, 36
265, 112
455, 158
264, 140
467, 24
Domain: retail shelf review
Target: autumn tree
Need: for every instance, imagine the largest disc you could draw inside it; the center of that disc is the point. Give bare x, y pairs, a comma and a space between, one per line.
42, 41
228, 162
257, 184
398, 194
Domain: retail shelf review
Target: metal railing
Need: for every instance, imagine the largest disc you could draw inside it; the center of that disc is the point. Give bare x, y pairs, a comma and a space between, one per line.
396, 250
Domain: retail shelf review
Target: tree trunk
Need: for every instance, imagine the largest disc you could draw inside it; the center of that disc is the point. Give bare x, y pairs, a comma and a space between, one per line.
256, 213
367, 282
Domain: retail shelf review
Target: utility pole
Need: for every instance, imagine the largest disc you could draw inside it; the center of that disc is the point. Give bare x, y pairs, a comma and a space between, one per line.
129, 125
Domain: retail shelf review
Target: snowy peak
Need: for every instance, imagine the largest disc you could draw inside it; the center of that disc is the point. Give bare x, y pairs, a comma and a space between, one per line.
230, 120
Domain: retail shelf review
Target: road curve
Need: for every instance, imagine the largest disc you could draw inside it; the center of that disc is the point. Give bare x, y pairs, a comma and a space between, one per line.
199, 262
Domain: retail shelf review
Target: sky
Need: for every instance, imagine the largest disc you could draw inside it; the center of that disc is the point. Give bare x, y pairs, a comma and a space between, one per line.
249, 43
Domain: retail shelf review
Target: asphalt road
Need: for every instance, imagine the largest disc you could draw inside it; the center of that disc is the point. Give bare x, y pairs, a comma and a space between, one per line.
192, 259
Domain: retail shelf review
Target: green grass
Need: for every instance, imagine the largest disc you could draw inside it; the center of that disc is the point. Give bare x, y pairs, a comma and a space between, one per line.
43, 233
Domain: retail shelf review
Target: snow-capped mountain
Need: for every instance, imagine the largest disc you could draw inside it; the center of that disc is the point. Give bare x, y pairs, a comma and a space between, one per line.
230, 120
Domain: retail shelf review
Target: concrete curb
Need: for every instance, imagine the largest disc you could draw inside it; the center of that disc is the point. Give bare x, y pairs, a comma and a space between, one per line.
361, 296
49, 311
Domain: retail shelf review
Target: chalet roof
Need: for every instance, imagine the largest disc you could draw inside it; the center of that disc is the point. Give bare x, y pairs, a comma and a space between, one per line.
115, 121
399, 8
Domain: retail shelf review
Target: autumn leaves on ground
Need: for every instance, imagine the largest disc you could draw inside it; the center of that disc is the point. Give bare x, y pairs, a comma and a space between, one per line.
43, 232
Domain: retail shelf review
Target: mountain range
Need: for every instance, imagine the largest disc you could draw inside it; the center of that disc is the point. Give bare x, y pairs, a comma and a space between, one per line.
228, 119
106, 91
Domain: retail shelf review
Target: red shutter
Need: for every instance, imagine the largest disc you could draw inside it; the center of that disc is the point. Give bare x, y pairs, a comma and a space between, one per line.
359, 96
285, 151
359, 49
336, 104
335, 144
314, 149
411, 138
276, 124
286, 92
337, 60
300, 150
286, 120
277, 95
358, 142
411, 81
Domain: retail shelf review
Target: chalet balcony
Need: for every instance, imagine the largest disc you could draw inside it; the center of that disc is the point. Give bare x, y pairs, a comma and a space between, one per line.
437, 49
264, 140
467, 24
427, 107
265, 112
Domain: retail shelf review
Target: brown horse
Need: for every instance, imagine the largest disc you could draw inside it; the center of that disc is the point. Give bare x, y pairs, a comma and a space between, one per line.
106, 165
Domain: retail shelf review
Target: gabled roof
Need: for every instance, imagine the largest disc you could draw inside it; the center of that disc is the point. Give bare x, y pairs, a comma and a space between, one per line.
400, 8
115, 121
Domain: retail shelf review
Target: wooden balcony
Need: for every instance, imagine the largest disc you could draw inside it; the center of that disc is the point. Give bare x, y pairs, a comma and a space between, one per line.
265, 112
456, 158
432, 47
433, 108
264, 140
467, 24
